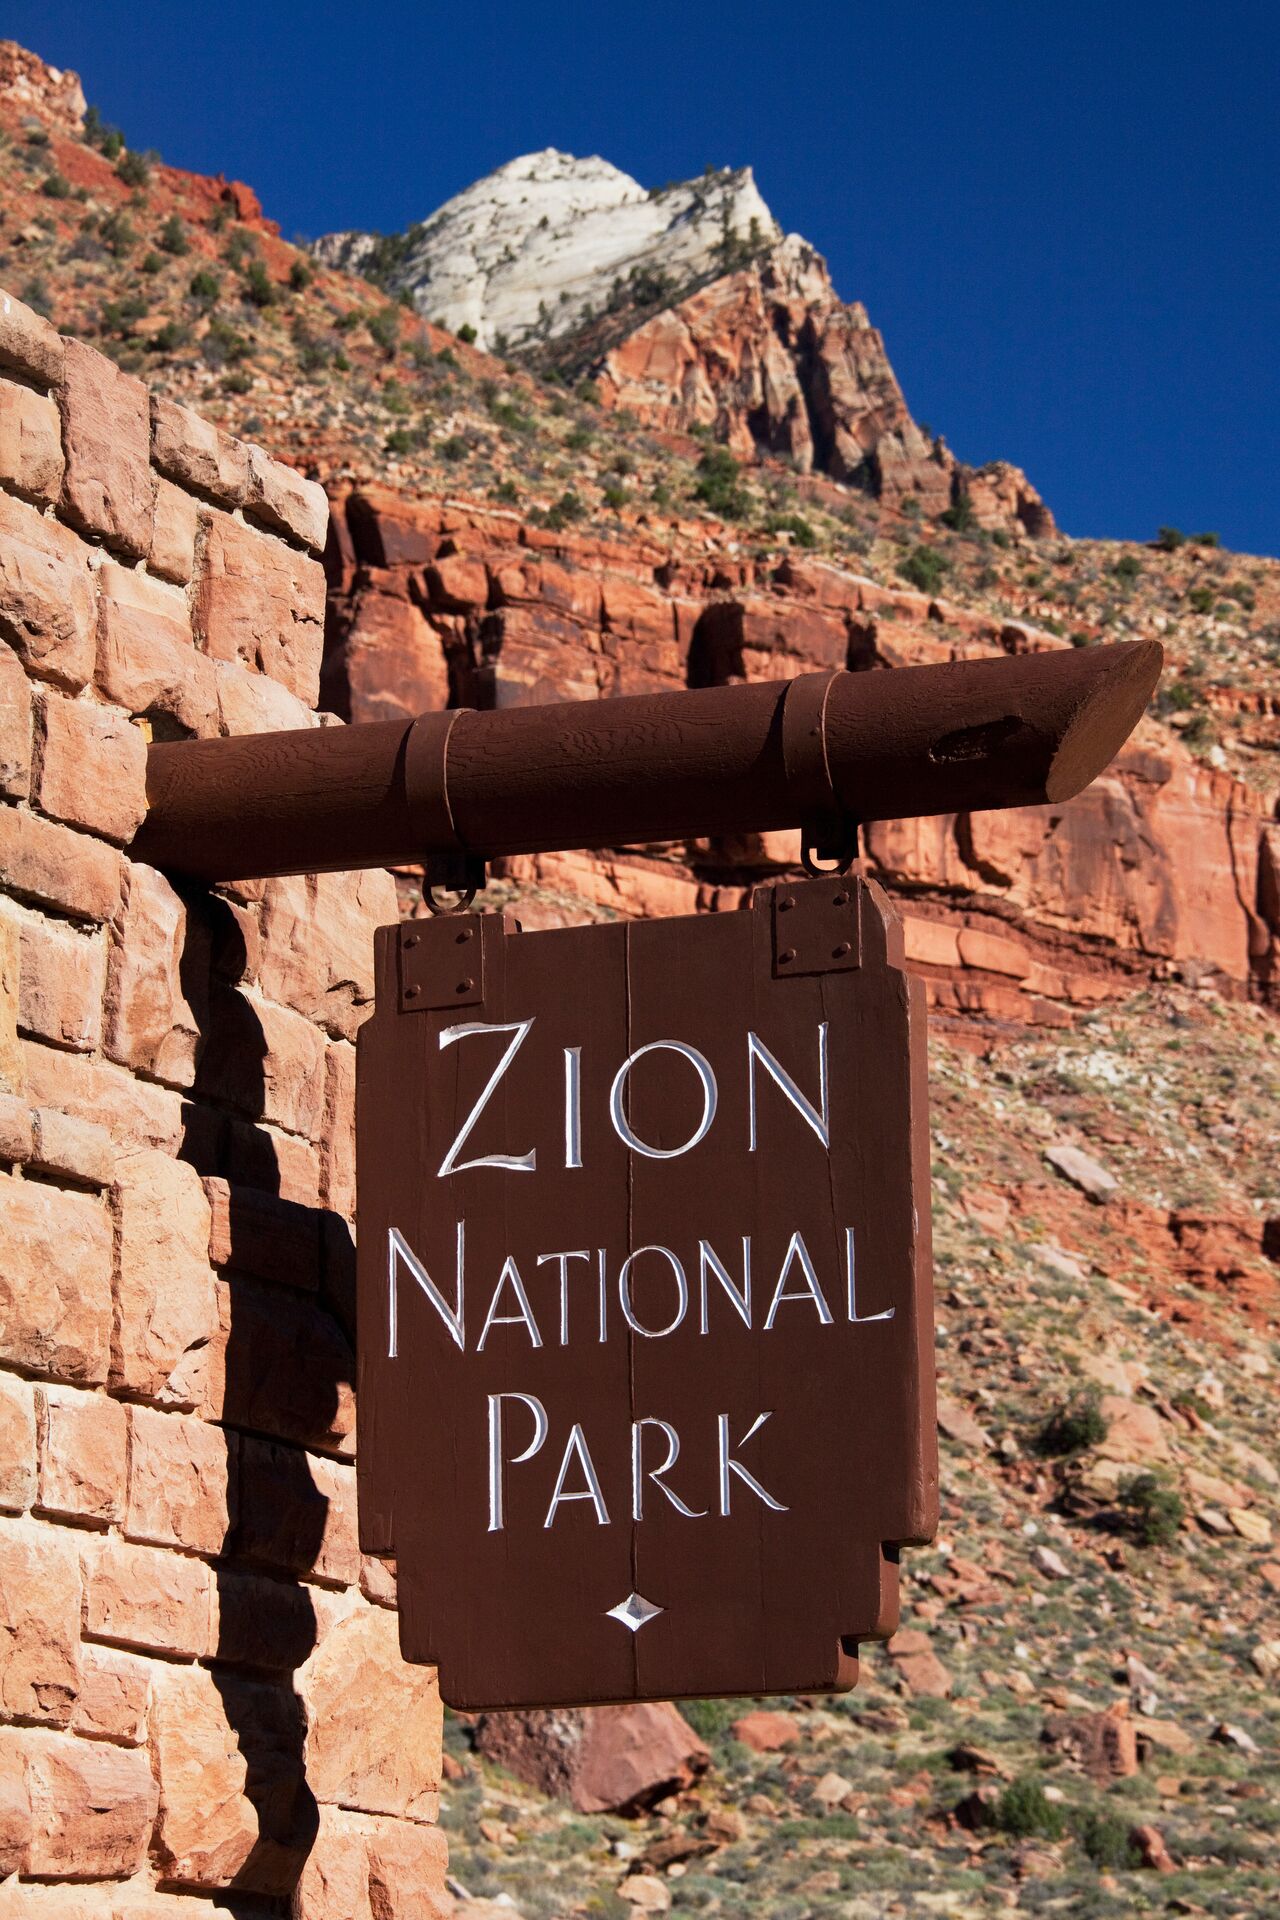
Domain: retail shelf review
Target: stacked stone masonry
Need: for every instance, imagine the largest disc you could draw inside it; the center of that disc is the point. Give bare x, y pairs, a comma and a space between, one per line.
203, 1711
1164, 866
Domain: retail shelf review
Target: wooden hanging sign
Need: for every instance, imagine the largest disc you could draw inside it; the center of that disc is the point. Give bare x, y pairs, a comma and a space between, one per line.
646, 1347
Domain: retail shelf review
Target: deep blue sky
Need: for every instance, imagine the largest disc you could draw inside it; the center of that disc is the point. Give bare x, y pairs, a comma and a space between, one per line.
1063, 217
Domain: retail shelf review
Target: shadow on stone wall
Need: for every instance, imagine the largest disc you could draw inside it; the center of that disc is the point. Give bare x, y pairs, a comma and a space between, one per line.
287, 1300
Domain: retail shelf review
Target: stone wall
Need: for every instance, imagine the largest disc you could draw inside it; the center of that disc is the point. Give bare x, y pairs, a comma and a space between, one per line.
202, 1706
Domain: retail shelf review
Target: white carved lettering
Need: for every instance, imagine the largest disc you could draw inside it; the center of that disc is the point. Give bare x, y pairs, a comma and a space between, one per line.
576, 1448
858, 1319
730, 1466
523, 1316
815, 1117
563, 1259
624, 1294
639, 1473
453, 1316
707, 1080
514, 1163
797, 1253
709, 1262
539, 1412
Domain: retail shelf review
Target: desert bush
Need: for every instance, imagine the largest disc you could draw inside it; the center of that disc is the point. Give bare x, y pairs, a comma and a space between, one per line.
1155, 1509
1073, 1426
719, 486
1023, 1810
133, 168
1169, 539
467, 334
924, 568
1105, 1838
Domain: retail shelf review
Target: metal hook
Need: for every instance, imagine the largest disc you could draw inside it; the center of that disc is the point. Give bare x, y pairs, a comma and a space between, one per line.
823, 844
462, 874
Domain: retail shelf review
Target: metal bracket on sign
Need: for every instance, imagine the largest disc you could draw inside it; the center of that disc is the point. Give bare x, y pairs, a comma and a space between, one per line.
817, 927
441, 963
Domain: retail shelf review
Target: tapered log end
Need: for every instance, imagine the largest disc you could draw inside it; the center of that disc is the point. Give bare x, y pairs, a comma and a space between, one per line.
1109, 711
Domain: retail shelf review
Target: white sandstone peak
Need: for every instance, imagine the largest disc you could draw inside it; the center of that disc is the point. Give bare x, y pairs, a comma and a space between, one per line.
539, 245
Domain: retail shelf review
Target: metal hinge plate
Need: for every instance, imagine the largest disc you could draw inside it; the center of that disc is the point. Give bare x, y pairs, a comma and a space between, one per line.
817, 927
441, 963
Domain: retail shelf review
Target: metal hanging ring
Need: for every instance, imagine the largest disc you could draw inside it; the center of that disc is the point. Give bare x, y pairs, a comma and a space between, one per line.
842, 852
459, 904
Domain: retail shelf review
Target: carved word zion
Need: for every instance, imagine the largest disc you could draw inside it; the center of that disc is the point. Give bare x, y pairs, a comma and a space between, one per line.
543, 1296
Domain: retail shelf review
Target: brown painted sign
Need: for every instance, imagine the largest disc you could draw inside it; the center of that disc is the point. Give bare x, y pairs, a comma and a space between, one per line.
646, 1348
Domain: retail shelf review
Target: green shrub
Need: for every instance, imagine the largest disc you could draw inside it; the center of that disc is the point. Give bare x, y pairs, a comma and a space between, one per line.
259, 287
1024, 1810
959, 516
795, 524
384, 329
173, 237
566, 510
467, 334
171, 336
1155, 1509
454, 448
588, 392
1105, 1838
56, 186
1169, 539
203, 286
1200, 599
710, 1719
507, 492
133, 168
237, 382
1127, 568
615, 496
118, 233
579, 440
301, 274
718, 485
1205, 540
924, 569
1074, 1426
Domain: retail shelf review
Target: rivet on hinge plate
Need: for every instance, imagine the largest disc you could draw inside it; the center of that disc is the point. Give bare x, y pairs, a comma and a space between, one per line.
441, 963
816, 927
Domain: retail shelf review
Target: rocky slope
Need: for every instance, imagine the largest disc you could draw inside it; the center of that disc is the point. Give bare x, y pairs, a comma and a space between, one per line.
689, 309
1101, 977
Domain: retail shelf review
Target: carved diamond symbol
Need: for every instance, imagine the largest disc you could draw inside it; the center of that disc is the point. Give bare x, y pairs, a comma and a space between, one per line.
634, 1612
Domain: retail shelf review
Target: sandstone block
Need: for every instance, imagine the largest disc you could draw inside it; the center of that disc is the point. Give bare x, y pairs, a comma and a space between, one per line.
146, 1597
17, 1444
317, 951
766, 1731
279, 498
1104, 1745
115, 1689
46, 595
91, 767
146, 659
917, 1665
338, 1134
931, 943
106, 437
362, 1868
17, 1131
459, 583
249, 702
142, 1115
263, 1623
263, 1156
233, 1800
173, 534
15, 726
40, 1608
374, 1723
83, 1438
191, 450
165, 1304
260, 602
78, 1150
15, 1811
28, 343
30, 443
258, 1233
282, 1369
297, 1512
276, 1071
993, 952
61, 978
12, 1061
55, 1284
155, 958
378, 1580
92, 1809
57, 867
181, 1481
